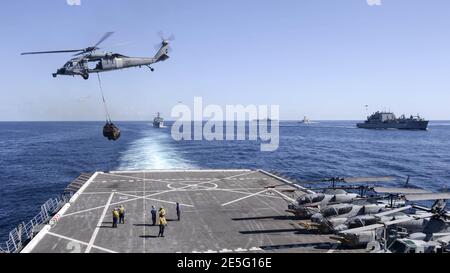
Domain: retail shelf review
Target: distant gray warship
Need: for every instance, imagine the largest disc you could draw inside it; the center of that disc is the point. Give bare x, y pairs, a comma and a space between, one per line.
387, 120
158, 122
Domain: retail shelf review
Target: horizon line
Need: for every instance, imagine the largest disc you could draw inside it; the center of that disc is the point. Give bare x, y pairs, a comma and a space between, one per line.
280, 120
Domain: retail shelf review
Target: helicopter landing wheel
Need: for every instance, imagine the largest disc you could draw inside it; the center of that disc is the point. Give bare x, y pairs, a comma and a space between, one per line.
152, 69
54, 75
85, 76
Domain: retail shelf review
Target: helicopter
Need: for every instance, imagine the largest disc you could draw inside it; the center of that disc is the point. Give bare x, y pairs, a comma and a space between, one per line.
311, 203
334, 218
427, 228
78, 66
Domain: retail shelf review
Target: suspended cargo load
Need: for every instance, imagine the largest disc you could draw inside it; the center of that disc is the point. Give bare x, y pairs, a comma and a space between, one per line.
111, 131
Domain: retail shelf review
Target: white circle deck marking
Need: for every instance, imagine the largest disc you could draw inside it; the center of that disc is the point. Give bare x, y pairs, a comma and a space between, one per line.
204, 185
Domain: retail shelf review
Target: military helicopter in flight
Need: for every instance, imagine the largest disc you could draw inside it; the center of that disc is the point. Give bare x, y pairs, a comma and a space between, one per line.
78, 66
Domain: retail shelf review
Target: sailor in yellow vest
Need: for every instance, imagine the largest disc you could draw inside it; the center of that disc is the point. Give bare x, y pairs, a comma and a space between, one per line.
121, 215
162, 221
115, 214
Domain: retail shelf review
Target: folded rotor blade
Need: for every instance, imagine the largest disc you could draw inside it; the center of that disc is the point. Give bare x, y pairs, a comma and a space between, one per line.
407, 219
428, 196
284, 196
399, 190
444, 240
389, 223
369, 179
352, 179
388, 212
362, 229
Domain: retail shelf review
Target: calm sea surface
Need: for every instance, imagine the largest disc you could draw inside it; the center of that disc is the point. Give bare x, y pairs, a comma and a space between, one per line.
38, 160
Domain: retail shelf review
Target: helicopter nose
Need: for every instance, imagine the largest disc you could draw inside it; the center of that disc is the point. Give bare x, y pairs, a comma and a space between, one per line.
317, 218
341, 227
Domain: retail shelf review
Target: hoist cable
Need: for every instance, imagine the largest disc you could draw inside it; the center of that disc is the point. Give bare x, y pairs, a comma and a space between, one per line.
108, 117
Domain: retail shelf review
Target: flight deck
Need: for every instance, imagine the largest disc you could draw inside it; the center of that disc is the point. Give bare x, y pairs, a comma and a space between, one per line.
221, 211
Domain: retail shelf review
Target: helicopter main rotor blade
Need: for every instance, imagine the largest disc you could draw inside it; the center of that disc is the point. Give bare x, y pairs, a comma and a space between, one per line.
106, 36
50, 52
82, 51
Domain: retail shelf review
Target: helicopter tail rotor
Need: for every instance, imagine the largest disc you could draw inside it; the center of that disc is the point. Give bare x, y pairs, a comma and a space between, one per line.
165, 41
164, 38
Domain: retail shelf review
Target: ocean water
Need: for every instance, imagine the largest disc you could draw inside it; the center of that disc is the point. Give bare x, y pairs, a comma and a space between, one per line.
38, 160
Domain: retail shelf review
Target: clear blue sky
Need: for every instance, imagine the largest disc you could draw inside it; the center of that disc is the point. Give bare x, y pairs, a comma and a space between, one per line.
322, 58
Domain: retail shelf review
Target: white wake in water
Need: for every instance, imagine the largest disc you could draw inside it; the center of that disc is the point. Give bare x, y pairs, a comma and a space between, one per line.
153, 151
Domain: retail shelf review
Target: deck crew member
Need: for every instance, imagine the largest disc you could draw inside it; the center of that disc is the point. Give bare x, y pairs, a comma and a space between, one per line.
162, 221
153, 215
115, 214
178, 211
121, 215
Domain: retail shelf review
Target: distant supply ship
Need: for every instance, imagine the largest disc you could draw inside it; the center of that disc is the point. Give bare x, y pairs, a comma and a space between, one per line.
387, 120
263, 120
305, 120
158, 122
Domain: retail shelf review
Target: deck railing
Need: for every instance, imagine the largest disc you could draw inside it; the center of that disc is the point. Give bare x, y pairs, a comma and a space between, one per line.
25, 231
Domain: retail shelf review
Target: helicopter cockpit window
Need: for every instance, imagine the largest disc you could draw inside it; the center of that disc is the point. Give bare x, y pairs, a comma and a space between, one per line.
398, 247
340, 191
330, 212
344, 210
304, 200
318, 198
69, 65
355, 223
370, 221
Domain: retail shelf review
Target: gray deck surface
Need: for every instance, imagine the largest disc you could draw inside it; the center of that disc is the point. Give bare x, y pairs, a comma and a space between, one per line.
221, 211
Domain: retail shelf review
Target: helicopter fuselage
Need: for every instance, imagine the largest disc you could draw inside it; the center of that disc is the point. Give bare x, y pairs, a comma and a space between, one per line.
103, 64
107, 62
